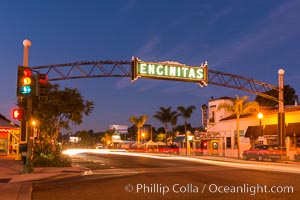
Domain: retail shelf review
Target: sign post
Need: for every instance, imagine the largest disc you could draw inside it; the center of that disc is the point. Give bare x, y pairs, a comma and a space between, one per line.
281, 114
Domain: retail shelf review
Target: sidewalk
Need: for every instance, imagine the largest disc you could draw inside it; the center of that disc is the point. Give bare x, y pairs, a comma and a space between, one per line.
17, 186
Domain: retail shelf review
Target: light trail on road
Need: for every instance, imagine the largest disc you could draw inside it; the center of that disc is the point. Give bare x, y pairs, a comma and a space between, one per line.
265, 166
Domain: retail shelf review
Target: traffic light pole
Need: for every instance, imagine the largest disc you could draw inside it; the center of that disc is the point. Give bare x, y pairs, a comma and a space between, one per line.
28, 168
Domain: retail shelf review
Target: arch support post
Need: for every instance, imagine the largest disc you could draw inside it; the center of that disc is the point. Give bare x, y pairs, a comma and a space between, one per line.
281, 113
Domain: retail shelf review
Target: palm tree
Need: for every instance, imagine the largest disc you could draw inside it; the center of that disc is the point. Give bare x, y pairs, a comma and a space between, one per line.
139, 123
173, 121
164, 116
186, 113
239, 107
106, 139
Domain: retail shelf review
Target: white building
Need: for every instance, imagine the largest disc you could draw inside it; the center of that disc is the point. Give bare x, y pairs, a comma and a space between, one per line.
221, 138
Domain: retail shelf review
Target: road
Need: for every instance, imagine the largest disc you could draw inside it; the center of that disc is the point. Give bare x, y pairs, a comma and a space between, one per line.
134, 177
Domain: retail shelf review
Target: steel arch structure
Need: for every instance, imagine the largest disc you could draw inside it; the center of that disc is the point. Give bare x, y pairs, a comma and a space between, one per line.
101, 69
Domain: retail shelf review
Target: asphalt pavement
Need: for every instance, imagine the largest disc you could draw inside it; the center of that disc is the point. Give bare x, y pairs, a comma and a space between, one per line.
15, 185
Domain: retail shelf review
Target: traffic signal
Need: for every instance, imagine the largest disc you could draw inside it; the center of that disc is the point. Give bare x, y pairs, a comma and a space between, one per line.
17, 113
25, 81
42, 84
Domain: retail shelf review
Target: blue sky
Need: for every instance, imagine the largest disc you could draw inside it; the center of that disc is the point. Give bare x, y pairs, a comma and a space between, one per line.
248, 38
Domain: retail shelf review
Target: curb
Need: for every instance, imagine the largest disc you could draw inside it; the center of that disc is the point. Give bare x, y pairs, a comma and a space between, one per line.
25, 192
26, 189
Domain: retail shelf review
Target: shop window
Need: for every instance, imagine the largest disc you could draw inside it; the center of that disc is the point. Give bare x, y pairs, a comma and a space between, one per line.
295, 142
235, 141
272, 139
260, 142
215, 145
228, 142
212, 118
3, 145
242, 133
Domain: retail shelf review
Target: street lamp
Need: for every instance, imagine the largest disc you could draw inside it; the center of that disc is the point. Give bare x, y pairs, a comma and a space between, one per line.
143, 135
260, 116
281, 114
33, 123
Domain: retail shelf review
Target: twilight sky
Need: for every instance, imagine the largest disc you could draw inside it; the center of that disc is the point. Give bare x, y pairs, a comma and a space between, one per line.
249, 38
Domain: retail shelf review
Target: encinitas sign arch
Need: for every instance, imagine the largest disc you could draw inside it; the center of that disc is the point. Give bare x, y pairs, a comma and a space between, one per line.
108, 68
161, 70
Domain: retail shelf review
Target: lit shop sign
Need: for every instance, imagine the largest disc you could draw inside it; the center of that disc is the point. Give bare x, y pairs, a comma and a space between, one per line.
170, 71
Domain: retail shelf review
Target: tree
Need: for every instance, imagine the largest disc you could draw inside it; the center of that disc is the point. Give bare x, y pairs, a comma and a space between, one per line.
173, 121
57, 111
186, 113
160, 137
289, 94
106, 138
139, 123
86, 140
61, 108
164, 116
239, 107
161, 130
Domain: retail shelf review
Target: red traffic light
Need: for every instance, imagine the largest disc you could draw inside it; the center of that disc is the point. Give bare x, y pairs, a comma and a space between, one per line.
17, 113
43, 78
42, 85
27, 72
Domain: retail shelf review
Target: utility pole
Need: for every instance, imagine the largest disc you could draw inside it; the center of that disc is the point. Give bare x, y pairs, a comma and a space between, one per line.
28, 166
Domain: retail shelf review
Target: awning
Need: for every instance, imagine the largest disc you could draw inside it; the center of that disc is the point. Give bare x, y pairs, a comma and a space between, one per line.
179, 139
253, 131
6, 123
270, 129
293, 128
151, 143
159, 143
117, 140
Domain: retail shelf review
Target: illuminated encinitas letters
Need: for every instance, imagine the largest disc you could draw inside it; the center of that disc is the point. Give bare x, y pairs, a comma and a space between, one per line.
170, 71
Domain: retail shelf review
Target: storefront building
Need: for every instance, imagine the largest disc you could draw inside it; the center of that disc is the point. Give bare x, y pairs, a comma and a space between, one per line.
9, 137
221, 130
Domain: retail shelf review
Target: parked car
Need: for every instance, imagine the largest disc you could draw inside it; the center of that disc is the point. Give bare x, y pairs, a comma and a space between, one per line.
262, 152
169, 150
100, 146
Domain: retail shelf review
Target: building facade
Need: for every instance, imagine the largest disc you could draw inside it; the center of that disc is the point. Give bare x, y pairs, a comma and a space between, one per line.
221, 136
9, 137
